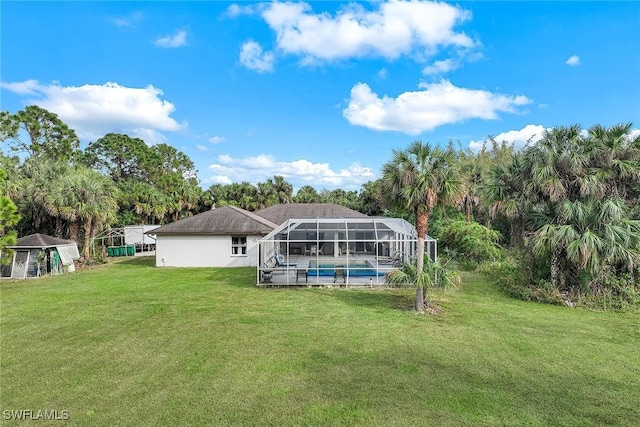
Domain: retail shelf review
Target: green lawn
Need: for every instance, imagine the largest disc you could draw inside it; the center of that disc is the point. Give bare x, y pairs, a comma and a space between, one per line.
131, 344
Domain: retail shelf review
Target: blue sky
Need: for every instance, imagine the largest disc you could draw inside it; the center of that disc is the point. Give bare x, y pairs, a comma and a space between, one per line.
320, 92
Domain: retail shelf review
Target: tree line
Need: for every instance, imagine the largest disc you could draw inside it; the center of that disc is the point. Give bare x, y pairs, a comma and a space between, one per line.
563, 211
117, 180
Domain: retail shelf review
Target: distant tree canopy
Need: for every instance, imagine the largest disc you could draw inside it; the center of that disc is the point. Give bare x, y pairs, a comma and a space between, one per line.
9, 217
123, 157
39, 133
568, 205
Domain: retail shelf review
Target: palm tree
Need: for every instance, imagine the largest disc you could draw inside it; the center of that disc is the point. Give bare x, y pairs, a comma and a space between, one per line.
576, 191
433, 275
471, 173
265, 195
419, 179
595, 236
283, 190
617, 155
42, 194
90, 202
503, 195
307, 194
146, 200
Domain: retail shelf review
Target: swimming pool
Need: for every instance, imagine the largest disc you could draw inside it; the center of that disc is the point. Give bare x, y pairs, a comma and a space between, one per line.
353, 269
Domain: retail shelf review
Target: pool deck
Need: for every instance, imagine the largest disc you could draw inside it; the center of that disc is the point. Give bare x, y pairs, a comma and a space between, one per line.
297, 275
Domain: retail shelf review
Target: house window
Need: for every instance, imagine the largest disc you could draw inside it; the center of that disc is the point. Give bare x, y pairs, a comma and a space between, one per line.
238, 245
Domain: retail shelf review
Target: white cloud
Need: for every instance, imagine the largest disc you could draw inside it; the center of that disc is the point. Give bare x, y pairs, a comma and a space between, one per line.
253, 57
517, 138
573, 61
394, 28
298, 172
235, 10
528, 134
130, 21
150, 136
202, 148
219, 179
27, 87
178, 39
94, 110
382, 74
441, 67
434, 105
217, 139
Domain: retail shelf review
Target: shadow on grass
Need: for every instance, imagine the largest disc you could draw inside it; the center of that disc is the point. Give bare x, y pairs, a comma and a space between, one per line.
136, 261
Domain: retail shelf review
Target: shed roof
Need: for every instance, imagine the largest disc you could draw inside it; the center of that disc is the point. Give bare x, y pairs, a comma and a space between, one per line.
279, 214
223, 220
38, 240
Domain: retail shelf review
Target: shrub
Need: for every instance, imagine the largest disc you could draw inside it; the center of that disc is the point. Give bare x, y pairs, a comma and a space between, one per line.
469, 243
516, 279
613, 292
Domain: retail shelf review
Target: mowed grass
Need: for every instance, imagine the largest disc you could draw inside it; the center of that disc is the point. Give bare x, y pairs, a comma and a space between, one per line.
130, 344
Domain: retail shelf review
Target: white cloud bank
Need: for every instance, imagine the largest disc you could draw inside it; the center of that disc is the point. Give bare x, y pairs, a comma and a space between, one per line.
253, 57
178, 39
395, 28
436, 104
517, 138
94, 110
573, 61
298, 172
528, 134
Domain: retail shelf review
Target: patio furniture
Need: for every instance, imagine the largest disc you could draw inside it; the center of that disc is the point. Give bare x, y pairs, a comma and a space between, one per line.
301, 272
339, 272
395, 260
280, 262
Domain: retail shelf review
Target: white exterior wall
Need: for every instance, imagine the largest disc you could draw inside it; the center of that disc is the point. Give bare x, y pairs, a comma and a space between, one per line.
203, 251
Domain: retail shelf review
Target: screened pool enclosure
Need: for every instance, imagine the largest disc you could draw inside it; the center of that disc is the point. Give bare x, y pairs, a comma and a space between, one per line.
341, 251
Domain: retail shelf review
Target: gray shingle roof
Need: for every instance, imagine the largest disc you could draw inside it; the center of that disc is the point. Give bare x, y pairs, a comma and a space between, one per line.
278, 214
223, 220
38, 240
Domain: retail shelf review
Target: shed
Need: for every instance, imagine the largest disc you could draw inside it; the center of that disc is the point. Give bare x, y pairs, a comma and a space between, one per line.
38, 254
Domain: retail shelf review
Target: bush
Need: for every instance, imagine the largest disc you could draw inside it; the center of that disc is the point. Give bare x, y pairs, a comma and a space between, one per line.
617, 293
515, 279
469, 243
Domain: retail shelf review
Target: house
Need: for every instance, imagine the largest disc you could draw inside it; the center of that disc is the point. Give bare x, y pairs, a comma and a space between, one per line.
38, 254
222, 237
227, 236
232, 237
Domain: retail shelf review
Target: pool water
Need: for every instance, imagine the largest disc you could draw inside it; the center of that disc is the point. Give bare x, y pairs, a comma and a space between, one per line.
354, 269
